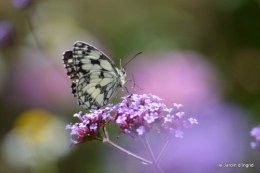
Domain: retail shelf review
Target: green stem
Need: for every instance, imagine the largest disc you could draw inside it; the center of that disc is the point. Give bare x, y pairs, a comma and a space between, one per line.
105, 133
165, 147
150, 152
126, 151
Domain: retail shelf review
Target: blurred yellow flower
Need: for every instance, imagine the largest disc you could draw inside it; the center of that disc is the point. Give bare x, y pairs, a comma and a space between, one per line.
37, 138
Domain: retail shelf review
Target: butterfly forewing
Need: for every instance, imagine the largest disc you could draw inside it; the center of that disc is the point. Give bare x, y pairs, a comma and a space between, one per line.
88, 58
95, 78
69, 65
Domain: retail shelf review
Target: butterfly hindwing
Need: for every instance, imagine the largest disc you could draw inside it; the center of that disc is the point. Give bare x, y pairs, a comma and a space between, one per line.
94, 91
95, 78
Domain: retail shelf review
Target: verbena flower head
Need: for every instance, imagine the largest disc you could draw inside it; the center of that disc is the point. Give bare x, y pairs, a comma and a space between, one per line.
256, 133
88, 129
136, 115
175, 121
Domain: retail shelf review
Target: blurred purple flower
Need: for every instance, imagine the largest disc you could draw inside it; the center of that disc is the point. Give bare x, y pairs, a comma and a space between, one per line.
256, 133
40, 82
21, 3
183, 76
221, 136
6, 33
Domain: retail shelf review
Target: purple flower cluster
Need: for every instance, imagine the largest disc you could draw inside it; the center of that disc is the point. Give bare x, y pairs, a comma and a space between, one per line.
256, 133
135, 115
88, 128
175, 121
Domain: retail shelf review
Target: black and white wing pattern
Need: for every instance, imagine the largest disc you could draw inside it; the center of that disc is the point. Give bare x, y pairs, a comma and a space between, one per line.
95, 78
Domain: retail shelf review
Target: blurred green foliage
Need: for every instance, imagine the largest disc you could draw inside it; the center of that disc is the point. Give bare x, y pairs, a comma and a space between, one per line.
226, 33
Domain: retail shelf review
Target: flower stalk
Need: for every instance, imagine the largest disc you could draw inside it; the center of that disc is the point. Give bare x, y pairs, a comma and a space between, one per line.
127, 152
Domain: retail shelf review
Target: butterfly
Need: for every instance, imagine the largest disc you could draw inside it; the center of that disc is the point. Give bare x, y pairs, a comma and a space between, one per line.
94, 76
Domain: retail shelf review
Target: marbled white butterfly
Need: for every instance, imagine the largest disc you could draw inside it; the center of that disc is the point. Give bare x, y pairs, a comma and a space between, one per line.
95, 78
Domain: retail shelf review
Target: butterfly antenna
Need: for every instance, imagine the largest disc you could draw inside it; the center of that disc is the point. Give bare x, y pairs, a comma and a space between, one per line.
135, 83
131, 59
127, 90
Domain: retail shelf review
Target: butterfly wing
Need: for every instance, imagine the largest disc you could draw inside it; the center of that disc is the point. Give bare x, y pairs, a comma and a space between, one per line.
69, 65
95, 78
95, 89
85, 58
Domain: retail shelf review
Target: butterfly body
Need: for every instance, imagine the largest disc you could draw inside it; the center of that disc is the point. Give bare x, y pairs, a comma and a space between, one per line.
95, 78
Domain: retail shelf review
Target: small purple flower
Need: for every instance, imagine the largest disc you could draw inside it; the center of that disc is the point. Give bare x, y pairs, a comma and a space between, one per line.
179, 114
256, 133
142, 108
93, 126
84, 123
193, 121
121, 119
178, 134
126, 131
154, 115
148, 118
178, 106
174, 121
105, 115
168, 118
68, 126
167, 109
89, 127
109, 107
133, 114
154, 106
140, 130
156, 98
254, 145
77, 114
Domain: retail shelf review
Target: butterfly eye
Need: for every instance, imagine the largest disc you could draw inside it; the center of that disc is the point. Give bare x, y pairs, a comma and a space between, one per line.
123, 71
